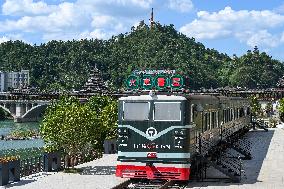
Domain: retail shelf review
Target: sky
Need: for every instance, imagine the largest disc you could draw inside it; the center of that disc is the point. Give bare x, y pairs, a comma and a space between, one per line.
229, 26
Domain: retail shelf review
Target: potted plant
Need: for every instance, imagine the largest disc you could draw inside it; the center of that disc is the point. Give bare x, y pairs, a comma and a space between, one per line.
7, 164
51, 159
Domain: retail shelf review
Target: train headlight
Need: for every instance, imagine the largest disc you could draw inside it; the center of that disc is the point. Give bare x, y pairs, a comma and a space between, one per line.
180, 132
179, 142
122, 131
123, 139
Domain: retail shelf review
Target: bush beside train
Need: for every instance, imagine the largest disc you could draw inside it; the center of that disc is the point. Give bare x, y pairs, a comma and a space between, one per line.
158, 135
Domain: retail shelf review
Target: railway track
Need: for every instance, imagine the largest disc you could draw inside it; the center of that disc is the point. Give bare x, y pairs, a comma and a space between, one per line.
153, 184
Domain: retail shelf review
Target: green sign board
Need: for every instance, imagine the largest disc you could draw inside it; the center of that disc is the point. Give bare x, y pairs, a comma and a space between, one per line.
160, 81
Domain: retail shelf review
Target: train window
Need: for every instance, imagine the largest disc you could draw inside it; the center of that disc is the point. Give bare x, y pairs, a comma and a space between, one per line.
227, 115
167, 111
213, 120
217, 119
192, 112
231, 114
206, 121
248, 111
242, 112
136, 111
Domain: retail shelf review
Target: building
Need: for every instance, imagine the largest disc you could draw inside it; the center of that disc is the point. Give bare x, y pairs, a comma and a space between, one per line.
14, 80
2, 81
95, 83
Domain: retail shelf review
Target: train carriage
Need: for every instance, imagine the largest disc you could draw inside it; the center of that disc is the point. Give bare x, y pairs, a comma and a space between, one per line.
158, 135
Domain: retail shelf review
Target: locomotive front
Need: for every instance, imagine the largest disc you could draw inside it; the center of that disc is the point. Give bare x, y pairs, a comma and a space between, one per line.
153, 139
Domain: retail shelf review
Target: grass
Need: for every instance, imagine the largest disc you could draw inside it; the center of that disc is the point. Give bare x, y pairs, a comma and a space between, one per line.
73, 170
24, 153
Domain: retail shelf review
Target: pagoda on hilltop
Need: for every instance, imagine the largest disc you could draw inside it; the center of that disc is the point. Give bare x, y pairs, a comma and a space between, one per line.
95, 83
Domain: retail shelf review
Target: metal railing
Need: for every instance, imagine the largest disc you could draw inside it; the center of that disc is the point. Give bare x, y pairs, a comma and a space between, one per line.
31, 166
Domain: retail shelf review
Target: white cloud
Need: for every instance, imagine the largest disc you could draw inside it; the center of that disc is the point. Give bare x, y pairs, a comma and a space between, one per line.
66, 17
12, 37
101, 21
67, 20
4, 39
251, 27
259, 38
181, 5
97, 33
22, 7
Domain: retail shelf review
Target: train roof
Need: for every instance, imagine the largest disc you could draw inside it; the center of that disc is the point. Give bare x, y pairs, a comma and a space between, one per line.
180, 97
153, 97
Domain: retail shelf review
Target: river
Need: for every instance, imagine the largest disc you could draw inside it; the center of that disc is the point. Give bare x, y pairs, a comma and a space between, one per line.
7, 126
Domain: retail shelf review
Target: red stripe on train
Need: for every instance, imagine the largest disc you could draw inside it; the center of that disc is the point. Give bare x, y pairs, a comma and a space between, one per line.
152, 172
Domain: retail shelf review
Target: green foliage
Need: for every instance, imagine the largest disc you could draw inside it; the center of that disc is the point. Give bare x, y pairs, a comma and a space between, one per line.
255, 70
281, 109
281, 105
23, 134
4, 114
79, 129
273, 122
255, 106
73, 170
268, 108
23, 153
65, 65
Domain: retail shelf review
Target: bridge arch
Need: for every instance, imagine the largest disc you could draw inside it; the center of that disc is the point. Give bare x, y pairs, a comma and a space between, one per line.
7, 110
35, 111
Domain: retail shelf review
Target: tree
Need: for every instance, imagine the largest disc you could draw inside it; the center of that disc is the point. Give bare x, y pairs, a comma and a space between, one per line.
68, 125
65, 65
268, 109
281, 109
255, 106
79, 129
104, 109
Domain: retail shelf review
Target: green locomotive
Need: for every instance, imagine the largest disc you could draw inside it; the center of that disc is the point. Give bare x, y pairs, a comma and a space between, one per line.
159, 134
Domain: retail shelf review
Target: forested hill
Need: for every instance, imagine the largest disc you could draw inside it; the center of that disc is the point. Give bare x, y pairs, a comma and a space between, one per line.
65, 65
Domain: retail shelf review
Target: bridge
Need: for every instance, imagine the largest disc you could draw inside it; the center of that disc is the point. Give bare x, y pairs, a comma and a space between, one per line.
25, 107
24, 110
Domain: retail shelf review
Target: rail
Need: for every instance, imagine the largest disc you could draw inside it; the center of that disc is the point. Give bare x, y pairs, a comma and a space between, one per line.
151, 184
31, 166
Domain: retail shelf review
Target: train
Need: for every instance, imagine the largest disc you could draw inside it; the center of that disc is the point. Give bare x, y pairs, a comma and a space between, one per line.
159, 134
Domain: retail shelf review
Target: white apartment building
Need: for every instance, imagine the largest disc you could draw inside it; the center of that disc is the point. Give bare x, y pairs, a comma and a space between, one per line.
2, 81
14, 80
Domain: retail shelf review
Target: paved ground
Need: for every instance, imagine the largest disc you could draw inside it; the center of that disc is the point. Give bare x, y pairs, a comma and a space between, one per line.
264, 171
98, 174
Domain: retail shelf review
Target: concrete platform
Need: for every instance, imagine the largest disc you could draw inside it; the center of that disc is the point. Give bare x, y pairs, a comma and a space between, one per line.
264, 171
97, 174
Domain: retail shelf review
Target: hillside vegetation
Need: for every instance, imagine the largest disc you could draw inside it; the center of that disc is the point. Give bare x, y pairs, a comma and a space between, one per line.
66, 64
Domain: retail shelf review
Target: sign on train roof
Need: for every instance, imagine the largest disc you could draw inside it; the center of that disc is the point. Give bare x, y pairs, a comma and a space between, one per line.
155, 79
153, 72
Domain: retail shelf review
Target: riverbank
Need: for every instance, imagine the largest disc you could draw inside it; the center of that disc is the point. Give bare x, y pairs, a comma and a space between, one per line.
9, 126
22, 135
20, 139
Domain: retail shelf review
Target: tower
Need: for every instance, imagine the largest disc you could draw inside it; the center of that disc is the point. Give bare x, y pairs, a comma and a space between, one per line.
95, 83
152, 19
